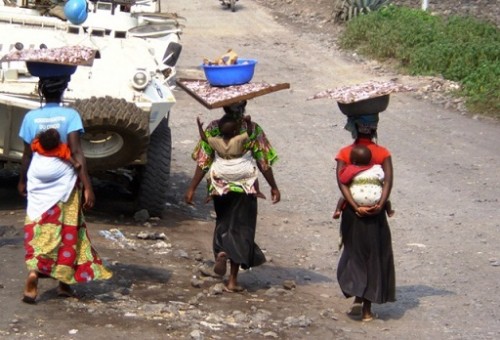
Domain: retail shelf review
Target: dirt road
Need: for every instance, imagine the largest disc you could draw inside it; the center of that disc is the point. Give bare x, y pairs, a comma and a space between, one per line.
445, 231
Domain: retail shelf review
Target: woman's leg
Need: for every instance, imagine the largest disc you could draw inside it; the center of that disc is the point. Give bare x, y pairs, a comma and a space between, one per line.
31, 287
232, 283
367, 311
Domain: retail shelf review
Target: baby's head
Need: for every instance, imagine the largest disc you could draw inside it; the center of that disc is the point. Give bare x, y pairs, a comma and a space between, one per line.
360, 155
228, 127
49, 139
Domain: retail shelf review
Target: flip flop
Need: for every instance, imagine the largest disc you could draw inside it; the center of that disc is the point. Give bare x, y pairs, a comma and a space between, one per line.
29, 299
370, 318
356, 309
220, 266
66, 292
237, 289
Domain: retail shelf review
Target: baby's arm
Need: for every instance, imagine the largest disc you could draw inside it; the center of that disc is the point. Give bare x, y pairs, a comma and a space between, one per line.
248, 120
201, 131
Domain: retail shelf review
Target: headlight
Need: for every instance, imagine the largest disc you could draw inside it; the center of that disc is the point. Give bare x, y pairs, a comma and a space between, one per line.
140, 80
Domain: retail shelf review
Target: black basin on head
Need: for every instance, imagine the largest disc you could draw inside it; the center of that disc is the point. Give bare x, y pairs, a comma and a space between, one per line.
365, 107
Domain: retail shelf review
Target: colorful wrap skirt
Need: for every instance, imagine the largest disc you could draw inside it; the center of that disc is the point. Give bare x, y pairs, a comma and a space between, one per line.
57, 244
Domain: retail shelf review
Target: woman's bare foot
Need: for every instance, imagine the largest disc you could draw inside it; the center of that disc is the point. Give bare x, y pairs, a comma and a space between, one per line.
64, 290
232, 284
31, 287
367, 311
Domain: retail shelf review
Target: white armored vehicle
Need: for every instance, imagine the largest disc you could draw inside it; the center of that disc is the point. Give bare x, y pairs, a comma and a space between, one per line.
124, 98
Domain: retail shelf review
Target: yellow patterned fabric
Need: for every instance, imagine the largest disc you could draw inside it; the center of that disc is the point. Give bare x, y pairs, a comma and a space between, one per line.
57, 244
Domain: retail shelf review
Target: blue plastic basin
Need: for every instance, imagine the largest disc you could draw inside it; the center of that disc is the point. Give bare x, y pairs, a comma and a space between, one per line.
42, 70
227, 75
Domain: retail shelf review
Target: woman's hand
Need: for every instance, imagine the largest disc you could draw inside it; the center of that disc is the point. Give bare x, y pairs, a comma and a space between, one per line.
275, 195
89, 198
368, 211
21, 188
188, 197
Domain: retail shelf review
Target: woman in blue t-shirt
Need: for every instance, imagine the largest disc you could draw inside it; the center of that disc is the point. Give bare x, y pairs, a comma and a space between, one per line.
56, 241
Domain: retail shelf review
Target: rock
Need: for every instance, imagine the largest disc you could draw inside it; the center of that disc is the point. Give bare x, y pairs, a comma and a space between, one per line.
195, 282
289, 284
216, 289
196, 334
270, 334
302, 321
141, 216
181, 253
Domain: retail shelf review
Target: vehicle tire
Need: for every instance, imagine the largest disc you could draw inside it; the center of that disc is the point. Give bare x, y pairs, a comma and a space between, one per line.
116, 132
155, 175
233, 5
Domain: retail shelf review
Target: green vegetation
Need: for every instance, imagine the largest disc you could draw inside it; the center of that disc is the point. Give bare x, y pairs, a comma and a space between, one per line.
461, 49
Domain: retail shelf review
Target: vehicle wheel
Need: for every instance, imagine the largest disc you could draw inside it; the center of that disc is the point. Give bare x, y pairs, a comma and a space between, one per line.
116, 132
154, 176
233, 5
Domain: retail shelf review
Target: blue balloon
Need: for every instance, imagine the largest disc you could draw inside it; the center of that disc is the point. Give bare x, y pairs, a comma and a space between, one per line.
76, 11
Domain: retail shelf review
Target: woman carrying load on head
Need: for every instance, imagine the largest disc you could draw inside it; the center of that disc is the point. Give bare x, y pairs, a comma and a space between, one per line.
235, 202
56, 240
366, 266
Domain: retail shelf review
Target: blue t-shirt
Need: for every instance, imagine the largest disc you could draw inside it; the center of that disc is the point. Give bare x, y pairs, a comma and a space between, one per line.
52, 115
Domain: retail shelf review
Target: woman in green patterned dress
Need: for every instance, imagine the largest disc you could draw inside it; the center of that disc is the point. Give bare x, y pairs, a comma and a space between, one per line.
235, 206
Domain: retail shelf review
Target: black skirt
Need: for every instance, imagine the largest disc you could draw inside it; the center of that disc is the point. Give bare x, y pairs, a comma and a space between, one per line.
366, 266
235, 229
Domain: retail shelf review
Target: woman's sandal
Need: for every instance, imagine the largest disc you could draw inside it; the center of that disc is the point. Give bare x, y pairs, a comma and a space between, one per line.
237, 289
369, 318
65, 291
356, 309
220, 266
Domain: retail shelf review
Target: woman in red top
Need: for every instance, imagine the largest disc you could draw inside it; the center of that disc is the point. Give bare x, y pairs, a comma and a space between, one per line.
366, 266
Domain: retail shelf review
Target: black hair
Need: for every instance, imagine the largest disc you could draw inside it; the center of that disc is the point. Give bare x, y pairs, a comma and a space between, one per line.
236, 110
52, 88
360, 155
49, 139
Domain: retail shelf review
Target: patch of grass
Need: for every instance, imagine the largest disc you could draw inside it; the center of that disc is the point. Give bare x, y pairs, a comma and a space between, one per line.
462, 49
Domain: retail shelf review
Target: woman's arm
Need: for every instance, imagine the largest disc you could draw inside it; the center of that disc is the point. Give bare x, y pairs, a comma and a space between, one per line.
344, 189
25, 164
388, 180
77, 153
269, 176
386, 188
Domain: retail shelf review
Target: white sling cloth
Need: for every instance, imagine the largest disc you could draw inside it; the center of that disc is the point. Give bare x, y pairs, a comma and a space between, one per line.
240, 171
50, 180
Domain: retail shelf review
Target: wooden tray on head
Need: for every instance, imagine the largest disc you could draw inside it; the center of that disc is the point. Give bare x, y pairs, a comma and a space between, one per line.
213, 97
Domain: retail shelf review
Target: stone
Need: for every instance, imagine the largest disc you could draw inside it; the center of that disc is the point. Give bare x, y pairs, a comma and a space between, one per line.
289, 284
141, 216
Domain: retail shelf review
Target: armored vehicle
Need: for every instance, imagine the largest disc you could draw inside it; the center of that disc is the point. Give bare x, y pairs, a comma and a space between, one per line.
124, 98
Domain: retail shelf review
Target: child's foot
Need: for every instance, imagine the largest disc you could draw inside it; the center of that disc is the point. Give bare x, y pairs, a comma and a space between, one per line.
391, 213
336, 215
260, 195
